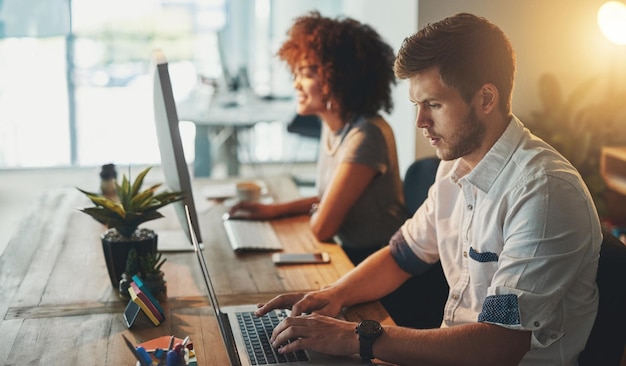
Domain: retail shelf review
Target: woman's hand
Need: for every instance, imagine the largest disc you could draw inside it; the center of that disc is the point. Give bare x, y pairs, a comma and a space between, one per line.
252, 210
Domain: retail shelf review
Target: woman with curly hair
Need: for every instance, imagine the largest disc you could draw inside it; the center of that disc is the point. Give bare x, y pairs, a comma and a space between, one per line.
343, 73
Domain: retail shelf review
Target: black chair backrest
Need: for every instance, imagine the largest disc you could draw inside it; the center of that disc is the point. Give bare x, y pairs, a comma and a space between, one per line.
606, 342
418, 178
308, 126
424, 310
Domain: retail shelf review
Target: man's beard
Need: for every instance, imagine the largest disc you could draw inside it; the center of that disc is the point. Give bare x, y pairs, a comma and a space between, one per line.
465, 140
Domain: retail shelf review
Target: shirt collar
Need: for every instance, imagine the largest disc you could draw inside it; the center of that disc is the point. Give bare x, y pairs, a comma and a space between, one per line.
491, 165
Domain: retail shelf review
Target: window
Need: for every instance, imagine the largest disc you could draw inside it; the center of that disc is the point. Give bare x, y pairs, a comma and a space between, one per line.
85, 97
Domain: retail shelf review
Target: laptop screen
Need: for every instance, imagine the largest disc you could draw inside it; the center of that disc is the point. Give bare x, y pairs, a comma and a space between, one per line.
222, 319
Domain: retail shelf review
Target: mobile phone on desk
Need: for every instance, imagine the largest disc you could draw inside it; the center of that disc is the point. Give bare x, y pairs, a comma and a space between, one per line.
300, 258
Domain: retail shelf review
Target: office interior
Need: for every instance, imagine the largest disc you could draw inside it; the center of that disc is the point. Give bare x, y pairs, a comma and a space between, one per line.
57, 127
75, 86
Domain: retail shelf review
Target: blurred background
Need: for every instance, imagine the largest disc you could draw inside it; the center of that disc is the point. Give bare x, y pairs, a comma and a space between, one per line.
76, 76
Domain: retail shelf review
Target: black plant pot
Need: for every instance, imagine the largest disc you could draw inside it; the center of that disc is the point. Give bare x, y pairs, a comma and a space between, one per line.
116, 248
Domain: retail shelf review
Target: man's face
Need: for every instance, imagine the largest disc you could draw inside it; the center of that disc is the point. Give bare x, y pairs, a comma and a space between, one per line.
450, 124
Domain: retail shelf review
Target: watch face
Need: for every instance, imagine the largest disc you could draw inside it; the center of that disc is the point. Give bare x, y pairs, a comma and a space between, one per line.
369, 329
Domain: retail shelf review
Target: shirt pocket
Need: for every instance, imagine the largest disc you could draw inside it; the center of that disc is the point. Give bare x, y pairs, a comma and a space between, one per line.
482, 265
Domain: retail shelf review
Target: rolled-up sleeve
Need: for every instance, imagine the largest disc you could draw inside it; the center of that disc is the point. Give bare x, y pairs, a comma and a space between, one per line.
405, 257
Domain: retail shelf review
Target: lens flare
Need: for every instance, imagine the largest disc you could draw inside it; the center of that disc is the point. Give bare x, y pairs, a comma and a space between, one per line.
612, 21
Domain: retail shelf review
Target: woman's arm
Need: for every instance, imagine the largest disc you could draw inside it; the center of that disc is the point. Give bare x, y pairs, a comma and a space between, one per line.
260, 211
347, 185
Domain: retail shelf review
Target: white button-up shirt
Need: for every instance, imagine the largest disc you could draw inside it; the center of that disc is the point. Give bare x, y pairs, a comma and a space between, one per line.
518, 238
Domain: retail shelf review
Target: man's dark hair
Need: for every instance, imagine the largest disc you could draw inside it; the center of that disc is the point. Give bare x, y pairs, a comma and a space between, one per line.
469, 52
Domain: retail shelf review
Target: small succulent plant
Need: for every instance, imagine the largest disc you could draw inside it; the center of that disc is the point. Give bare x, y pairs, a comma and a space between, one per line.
151, 263
132, 206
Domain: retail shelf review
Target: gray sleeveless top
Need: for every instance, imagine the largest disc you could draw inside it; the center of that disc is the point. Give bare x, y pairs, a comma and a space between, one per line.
380, 211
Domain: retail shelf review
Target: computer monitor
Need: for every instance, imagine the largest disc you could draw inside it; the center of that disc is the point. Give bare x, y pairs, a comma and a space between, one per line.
234, 80
173, 160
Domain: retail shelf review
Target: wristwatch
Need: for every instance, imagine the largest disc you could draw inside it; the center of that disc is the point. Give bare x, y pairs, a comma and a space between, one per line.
368, 331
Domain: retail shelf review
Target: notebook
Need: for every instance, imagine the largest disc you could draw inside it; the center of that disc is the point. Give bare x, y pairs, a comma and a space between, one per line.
242, 349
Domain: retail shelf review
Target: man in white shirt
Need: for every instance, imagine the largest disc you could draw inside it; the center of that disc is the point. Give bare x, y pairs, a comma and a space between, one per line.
509, 218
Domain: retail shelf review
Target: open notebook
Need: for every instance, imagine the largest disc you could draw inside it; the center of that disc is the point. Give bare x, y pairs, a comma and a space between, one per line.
246, 336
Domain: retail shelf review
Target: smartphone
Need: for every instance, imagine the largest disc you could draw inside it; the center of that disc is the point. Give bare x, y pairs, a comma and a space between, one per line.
300, 258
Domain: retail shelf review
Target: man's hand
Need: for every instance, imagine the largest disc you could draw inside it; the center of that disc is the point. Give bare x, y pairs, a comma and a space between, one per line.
323, 302
316, 332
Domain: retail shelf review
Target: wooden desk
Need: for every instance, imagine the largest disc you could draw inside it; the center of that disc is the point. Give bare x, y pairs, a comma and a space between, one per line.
59, 308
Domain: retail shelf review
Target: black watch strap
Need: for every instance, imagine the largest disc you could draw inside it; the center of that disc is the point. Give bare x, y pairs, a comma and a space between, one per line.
365, 348
368, 331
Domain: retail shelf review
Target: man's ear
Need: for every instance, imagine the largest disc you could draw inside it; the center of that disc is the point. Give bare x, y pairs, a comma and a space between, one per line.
489, 98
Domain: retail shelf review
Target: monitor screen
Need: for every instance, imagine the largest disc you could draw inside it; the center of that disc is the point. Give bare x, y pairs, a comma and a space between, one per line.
173, 161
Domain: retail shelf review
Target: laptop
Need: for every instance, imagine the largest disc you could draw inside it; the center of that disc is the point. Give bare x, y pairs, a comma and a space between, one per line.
236, 325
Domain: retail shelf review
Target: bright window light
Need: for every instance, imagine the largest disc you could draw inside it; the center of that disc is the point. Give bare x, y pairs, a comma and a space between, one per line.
612, 21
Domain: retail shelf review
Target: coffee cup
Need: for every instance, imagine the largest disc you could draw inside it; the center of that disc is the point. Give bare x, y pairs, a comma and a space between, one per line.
248, 191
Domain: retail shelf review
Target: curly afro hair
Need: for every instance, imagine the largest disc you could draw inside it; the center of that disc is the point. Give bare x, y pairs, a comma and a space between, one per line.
355, 63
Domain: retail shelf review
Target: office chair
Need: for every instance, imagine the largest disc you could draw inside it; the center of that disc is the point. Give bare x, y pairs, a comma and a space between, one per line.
418, 178
308, 127
606, 342
426, 311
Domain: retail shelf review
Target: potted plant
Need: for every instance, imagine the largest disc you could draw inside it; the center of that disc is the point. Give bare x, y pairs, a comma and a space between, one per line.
132, 268
122, 215
152, 276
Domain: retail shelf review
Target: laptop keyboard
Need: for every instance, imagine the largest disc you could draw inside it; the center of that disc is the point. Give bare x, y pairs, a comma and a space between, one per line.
251, 235
257, 331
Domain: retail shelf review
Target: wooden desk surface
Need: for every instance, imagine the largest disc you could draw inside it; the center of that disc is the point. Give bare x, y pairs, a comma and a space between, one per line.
59, 308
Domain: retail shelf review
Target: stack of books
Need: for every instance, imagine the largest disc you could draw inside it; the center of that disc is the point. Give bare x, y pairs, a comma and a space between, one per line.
142, 298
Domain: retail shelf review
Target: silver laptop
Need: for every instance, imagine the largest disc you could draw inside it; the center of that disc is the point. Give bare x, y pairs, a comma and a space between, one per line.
246, 336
